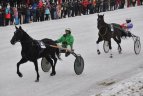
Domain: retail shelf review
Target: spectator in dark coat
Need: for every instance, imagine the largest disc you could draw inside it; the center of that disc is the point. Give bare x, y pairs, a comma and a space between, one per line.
53, 11
1, 16
34, 9
42, 13
122, 4
91, 8
134, 2
77, 8
37, 14
65, 6
141, 1
20, 15
98, 6
23, 11
27, 16
112, 5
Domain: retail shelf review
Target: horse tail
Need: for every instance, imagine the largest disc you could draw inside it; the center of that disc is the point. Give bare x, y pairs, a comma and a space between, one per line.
58, 53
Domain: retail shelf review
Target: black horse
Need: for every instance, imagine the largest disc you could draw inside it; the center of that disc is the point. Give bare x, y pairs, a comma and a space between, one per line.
32, 50
108, 31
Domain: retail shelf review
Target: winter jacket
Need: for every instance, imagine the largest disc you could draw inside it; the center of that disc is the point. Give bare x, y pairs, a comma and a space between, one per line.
85, 3
127, 26
47, 11
7, 13
68, 38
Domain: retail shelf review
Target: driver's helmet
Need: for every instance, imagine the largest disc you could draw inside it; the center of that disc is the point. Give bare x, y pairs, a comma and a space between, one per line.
0, 7
128, 20
68, 30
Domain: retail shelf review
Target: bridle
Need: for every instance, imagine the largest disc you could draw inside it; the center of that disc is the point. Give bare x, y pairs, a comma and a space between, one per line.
26, 41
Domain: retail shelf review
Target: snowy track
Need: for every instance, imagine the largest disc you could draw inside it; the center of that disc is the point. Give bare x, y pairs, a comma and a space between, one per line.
66, 83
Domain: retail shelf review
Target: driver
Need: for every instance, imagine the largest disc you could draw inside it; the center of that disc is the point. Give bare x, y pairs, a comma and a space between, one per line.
67, 41
127, 26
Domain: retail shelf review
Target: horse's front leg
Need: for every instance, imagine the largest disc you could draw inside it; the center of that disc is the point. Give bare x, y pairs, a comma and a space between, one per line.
110, 49
119, 47
36, 68
23, 60
97, 42
55, 61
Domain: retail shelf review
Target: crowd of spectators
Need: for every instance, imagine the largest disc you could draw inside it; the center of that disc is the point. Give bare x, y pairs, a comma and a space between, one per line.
26, 11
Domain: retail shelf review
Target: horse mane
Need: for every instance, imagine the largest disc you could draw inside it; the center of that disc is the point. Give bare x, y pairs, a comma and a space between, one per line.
25, 33
101, 22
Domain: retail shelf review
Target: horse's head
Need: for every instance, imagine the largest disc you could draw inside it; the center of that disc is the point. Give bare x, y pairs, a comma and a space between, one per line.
18, 34
100, 18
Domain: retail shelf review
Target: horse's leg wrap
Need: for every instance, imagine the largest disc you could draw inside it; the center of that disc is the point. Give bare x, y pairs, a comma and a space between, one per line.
111, 55
52, 64
97, 44
110, 51
98, 52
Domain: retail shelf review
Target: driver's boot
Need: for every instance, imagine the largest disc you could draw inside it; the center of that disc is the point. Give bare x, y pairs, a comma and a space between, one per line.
67, 54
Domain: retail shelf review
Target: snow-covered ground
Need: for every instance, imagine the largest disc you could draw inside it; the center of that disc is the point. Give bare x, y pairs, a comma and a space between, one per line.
132, 86
100, 71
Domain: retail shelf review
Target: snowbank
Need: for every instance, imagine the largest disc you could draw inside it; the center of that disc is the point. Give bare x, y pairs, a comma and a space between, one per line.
132, 86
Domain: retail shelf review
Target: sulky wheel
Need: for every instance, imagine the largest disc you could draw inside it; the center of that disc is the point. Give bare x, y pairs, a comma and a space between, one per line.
137, 46
45, 65
78, 65
106, 46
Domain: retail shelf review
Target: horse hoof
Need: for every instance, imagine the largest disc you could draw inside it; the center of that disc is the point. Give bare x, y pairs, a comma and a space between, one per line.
120, 52
36, 80
52, 74
20, 75
98, 52
111, 56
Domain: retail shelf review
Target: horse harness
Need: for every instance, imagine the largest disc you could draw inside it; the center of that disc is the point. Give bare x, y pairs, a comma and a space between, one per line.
37, 43
108, 26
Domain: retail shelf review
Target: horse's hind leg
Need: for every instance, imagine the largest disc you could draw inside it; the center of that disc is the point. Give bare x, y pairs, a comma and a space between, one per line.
36, 68
97, 42
55, 61
23, 60
118, 41
110, 47
53, 68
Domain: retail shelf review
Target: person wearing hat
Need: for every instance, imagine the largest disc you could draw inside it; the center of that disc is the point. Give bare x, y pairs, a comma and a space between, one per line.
127, 26
66, 40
